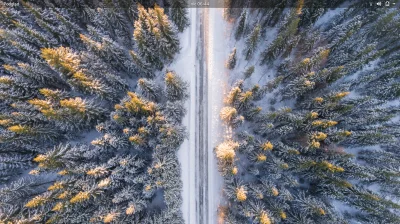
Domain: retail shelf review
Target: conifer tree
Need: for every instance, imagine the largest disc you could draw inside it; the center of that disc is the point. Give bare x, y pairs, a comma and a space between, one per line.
149, 89
241, 25
298, 164
145, 38
168, 41
248, 72
63, 69
252, 41
178, 14
231, 63
176, 88
286, 38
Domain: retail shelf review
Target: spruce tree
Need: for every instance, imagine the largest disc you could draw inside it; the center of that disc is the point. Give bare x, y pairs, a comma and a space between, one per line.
168, 41
252, 41
248, 72
231, 63
241, 25
178, 14
298, 164
176, 88
146, 39
68, 152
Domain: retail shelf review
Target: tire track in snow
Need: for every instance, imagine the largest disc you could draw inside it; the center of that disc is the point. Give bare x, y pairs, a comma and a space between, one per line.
202, 212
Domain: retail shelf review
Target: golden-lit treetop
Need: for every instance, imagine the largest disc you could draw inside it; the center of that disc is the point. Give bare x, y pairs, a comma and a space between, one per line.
62, 58
241, 193
226, 150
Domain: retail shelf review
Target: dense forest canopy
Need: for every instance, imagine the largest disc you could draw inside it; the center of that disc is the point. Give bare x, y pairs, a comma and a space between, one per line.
90, 119
91, 115
314, 110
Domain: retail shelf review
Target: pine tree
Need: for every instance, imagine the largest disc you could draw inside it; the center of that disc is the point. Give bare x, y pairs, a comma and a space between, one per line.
241, 25
252, 41
231, 63
141, 64
168, 41
226, 152
175, 111
178, 14
62, 72
228, 114
145, 39
111, 52
336, 98
248, 72
149, 89
176, 88
286, 38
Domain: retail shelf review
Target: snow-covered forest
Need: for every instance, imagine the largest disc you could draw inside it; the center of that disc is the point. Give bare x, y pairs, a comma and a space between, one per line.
90, 113
167, 111
314, 110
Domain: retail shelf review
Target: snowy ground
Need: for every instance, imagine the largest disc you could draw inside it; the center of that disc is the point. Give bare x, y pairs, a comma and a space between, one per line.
217, 32
185, 66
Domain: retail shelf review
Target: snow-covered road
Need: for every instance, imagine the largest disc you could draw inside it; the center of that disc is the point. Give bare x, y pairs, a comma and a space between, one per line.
216, 52
201, 64
185, 66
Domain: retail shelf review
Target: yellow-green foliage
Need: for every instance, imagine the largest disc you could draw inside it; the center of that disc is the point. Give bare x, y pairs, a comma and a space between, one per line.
324, 124
37, 201
267, 146
56, 186
264, 218
21, 129
61, 58
241, 193
80, 197
137, 105
5, 80
76, 105
325, 165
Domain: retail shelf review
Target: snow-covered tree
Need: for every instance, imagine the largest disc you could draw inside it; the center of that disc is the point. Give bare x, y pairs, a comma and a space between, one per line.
176, 88
252, 41
178, 14
241, 25
336, 143
75, 145
231, 63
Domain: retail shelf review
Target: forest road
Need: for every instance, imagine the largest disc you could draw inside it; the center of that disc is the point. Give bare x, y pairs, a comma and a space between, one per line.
210, 82
200, 177
202, 126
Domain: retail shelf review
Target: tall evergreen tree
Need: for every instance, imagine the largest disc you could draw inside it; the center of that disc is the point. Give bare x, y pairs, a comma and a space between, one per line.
176, 88
63, 68
165, 33
178, 14
303, 163
251, 42
241, 25
231, 63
